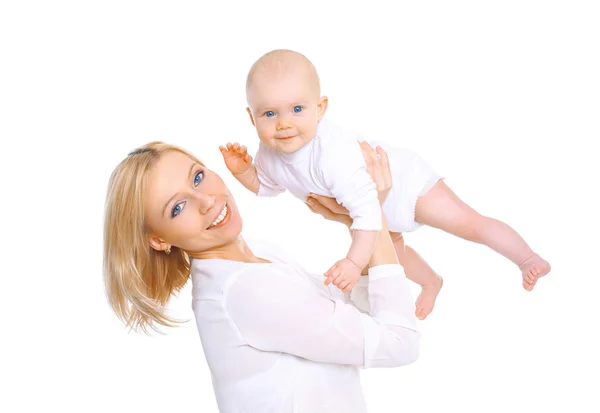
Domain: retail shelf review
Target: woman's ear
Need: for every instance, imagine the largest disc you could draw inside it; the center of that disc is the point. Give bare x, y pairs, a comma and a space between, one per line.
251, 117
322, 107
158, 244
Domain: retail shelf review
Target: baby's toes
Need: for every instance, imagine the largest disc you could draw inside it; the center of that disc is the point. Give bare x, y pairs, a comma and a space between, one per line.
528, 286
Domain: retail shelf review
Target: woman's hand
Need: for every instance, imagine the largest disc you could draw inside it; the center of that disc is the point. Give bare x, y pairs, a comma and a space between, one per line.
329, 209
378, 167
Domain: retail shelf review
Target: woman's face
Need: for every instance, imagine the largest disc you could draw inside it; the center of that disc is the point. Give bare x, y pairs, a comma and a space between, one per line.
188, 206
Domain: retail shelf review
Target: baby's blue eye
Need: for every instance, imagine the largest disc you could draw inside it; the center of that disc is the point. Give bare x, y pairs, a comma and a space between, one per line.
199, 177
269, 114
177, 209
297, 109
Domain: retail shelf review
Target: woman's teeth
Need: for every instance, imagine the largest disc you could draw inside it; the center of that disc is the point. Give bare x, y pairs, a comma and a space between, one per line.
220, 217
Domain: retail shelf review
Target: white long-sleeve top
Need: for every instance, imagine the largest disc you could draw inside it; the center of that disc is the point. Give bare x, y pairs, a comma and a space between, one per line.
278, 341
331, 164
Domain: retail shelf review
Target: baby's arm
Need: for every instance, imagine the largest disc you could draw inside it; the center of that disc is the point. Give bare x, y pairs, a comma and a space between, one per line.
346, 176
361, 248
346, 272
249, 174
239, 163
249, 179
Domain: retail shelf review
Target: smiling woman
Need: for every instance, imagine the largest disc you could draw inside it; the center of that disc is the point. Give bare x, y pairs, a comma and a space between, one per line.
260, 317
189, 206
151, 235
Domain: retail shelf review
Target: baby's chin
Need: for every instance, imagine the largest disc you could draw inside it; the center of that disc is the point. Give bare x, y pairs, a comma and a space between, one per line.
290, 145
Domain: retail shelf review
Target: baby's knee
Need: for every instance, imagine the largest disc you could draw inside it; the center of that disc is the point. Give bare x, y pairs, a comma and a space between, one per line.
396, 236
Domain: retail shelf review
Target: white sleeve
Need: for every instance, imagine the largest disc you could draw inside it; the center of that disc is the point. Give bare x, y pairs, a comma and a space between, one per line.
345, 175
268, 186
282, 312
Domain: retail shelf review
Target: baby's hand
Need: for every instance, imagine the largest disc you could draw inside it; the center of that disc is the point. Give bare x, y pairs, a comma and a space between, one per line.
344, 274
236, 158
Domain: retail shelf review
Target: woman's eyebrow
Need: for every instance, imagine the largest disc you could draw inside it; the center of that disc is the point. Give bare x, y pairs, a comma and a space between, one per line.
175, 195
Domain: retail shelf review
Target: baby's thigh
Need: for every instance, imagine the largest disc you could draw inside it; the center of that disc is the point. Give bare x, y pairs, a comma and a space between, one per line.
412, 177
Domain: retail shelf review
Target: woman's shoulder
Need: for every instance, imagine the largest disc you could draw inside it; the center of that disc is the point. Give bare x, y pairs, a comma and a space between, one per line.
270, 250
214, 277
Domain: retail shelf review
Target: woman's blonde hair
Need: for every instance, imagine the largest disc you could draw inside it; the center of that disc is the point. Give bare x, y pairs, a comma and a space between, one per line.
138, 279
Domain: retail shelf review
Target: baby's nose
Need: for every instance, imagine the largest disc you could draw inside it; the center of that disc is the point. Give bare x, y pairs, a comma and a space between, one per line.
283, 124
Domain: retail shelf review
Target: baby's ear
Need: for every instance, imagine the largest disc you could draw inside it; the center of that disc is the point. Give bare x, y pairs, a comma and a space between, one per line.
322, 107
251, 117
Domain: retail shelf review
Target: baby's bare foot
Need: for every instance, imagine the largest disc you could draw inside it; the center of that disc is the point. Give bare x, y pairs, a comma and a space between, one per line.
426, 300
532, 270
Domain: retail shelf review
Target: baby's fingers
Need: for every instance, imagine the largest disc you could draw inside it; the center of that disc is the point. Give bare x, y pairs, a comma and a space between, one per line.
340, 278
344, 284
332, 275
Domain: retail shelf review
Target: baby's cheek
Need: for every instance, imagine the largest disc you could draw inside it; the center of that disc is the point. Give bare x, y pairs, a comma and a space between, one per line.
264, 134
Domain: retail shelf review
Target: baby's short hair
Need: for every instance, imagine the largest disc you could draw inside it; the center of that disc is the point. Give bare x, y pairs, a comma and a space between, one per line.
281, 60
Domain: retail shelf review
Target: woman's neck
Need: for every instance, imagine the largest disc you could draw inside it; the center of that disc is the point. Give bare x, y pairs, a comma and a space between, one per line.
236, 250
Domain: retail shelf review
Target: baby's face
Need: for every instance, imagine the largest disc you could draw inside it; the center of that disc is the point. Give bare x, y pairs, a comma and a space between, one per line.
285, 109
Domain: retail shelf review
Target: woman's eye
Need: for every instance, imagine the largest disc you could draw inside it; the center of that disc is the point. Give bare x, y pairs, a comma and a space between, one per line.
198, 177
297, 109
177, 209
269, 114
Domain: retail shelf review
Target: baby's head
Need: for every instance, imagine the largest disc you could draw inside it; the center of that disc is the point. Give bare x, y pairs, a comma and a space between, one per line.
284, 101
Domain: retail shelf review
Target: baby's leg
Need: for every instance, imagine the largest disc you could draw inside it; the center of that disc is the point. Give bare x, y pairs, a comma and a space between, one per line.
418, 271
441, 208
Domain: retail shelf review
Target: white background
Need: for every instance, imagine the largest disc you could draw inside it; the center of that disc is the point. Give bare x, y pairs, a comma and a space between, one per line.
502, 98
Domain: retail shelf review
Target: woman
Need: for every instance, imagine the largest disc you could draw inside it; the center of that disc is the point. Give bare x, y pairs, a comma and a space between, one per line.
276, 338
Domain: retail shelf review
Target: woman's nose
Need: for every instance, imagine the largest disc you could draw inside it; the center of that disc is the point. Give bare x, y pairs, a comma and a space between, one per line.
205, 202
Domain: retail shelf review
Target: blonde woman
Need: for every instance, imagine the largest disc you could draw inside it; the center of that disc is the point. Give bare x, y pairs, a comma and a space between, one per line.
276, 338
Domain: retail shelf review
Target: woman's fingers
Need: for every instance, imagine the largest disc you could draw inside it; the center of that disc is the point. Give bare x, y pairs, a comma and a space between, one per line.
317, 208
329, 203
386, 173
366, 152
377, 166
326, 213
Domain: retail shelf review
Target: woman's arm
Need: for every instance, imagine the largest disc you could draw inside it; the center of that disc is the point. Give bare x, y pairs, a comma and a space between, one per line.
379, 169
275, 309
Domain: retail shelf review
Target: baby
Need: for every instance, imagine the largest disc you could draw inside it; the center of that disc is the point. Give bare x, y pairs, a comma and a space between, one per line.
304, 153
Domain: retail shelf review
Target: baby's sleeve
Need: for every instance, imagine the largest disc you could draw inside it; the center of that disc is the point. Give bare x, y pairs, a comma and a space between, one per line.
345, 174
263, 163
